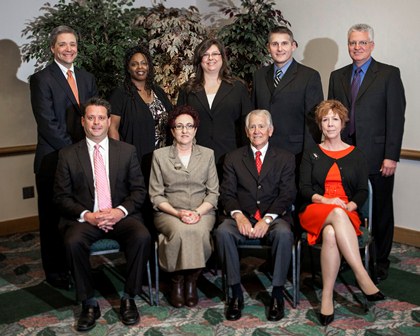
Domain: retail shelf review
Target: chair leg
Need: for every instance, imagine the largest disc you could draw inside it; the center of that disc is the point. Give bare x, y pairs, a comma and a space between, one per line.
294, 274
149, 282
156, 275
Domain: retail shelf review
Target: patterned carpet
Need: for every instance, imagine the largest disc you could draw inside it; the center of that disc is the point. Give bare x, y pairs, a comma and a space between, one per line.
28, 306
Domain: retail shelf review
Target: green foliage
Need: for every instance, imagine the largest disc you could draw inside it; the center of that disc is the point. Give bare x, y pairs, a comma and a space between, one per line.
173, 35
105, 30
246, 37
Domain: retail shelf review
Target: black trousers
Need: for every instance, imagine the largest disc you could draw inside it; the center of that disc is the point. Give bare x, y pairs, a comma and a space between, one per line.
131, 234
382, 217
53, 254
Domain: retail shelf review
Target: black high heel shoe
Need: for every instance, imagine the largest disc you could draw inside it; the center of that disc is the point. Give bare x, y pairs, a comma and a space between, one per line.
378, 296
326, 319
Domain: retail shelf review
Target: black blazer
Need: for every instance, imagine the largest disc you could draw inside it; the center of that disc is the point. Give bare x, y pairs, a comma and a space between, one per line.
291, 104
273, 191
315, 167
221, 126
74, 188
55, 108
379, 111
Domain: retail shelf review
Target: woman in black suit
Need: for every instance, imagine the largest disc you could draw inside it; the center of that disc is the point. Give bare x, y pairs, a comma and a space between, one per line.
140, 108
221, 100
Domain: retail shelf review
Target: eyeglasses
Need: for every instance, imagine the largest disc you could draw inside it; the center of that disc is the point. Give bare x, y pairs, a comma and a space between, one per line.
206, 56
180, 127
360, 43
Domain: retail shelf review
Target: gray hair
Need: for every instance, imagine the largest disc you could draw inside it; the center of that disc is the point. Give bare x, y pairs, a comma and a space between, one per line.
361, 27
259, 112
60, 30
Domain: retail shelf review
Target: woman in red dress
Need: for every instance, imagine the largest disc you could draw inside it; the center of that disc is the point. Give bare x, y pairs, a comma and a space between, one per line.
333, 184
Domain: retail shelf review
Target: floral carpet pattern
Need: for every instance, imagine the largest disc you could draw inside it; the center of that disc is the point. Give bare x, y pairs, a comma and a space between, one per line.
29, 306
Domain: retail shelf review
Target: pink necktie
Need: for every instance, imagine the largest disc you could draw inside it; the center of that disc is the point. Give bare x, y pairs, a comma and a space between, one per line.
102, 187
72, 83
258, 163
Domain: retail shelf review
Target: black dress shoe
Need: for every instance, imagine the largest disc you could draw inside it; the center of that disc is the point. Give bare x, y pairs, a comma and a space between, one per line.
129, 313
378, 296
234, 309
326, 319
381, 273
276, 309
88, 317
60, 281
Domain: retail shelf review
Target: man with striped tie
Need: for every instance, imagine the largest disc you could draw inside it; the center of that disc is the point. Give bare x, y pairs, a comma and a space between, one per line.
99, 190
290, 91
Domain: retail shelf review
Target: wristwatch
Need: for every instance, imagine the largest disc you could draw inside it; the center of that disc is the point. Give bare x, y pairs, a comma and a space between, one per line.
268, 220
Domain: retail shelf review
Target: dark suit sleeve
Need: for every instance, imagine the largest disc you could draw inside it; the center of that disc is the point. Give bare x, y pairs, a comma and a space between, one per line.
286, 187
313, 96
132, 189
229, 187
49, 127
66, 191
395, 109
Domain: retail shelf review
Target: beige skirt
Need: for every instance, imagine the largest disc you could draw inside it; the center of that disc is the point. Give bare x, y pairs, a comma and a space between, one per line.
183, 246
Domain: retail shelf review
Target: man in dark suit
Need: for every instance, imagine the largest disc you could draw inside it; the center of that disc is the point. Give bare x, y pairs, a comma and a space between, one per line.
257, 193
290, 91
79, 194
57, 112
376, 127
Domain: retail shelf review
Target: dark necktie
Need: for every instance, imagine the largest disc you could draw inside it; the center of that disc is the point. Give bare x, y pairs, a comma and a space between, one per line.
277, 79
355, 85
258, 164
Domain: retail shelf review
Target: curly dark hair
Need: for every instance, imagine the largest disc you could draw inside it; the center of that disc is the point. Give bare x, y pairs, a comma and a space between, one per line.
183, 109
128, 84
197, 83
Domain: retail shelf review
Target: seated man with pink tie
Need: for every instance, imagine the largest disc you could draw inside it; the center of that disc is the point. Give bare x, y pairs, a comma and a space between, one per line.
99, 190
257, 194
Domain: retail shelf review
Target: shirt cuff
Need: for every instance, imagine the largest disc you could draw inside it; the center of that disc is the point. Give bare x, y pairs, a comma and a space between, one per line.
123, 210
81, 219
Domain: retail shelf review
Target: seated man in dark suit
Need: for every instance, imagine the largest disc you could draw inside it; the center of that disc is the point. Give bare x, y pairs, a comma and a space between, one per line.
257, 194
99, 190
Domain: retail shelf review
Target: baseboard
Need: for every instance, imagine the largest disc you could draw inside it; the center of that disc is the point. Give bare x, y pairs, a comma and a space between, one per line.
19, 225
407, 236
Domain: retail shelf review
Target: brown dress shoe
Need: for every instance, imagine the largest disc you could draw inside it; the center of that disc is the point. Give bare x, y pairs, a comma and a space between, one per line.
190, 290
177, 292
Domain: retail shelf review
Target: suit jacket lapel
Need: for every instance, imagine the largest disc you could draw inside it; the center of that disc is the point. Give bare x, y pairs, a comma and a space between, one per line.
221, 93
268, 161
62, 81
249, 162
84, 159
269, 78
287, 77
113, 156
345, 82
202, 98
368, 79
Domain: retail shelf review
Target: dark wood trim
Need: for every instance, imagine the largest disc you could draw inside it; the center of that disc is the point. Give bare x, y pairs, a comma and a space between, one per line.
407, 236
17, 150
410, 154
13, 226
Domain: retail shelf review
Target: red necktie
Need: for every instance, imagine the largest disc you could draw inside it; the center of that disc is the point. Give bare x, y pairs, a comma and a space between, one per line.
73, 86
102, 187
258, 163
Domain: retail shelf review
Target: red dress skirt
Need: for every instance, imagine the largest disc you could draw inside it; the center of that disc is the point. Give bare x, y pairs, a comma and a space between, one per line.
312, 219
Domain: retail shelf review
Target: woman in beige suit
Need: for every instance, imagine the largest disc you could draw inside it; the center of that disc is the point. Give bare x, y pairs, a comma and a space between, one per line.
183, 190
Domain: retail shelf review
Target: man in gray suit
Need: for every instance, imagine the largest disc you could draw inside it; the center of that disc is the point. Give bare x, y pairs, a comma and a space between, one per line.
257, 194
97, 205
376, 126
290, 91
